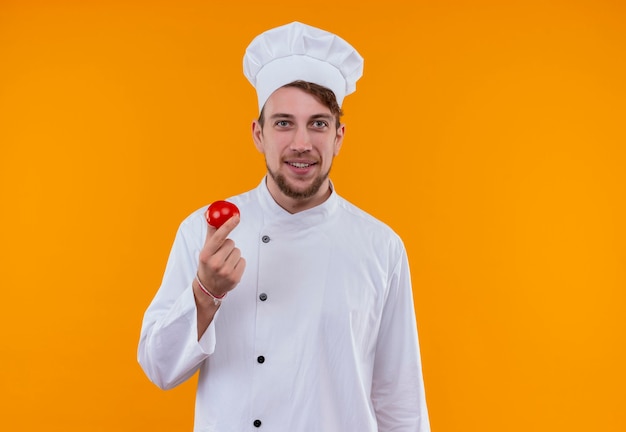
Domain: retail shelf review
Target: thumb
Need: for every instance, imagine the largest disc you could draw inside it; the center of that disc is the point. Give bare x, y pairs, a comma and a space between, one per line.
215, 237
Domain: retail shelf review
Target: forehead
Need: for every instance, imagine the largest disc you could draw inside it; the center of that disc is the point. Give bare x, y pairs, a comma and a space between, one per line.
294, 101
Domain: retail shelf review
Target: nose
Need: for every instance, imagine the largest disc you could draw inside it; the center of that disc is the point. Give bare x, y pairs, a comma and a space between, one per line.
301, 141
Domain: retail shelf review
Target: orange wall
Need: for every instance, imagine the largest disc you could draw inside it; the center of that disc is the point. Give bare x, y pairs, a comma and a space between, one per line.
489, 134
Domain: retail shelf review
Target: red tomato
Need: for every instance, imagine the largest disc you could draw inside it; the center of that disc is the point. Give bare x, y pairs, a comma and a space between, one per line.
219, 212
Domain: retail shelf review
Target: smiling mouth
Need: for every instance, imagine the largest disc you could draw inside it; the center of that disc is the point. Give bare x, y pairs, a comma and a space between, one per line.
300, 164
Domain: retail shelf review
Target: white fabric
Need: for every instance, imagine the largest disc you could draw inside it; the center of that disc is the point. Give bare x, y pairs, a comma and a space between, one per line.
337, 329
298, 51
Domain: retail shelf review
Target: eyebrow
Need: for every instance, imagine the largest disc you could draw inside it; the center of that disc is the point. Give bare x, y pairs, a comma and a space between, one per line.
281, 115
291, 116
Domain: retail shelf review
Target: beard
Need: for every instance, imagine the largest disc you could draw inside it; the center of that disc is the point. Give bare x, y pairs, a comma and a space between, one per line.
289, 191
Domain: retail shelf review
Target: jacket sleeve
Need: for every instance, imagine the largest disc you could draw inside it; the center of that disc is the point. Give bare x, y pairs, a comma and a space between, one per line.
398, 387
169, 351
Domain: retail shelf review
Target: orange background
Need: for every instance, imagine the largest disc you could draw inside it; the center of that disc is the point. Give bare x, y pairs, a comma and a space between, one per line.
489, 134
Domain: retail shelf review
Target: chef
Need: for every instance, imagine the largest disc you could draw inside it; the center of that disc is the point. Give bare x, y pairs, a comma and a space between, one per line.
298, 314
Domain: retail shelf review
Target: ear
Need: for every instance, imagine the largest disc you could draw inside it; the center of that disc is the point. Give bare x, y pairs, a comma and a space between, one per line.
341, 131
257, 136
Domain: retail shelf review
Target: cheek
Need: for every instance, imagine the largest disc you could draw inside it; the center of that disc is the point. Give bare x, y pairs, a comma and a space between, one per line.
272, 155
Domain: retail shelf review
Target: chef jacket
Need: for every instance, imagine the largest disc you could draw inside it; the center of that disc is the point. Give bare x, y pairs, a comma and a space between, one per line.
319, 335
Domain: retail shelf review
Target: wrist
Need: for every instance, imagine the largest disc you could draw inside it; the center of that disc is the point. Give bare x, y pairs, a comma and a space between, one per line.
217, 299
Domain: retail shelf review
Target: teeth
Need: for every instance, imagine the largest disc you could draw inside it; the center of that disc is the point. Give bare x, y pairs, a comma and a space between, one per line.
299, 164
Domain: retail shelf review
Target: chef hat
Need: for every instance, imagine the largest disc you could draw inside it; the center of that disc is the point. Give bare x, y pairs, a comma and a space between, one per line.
298, 51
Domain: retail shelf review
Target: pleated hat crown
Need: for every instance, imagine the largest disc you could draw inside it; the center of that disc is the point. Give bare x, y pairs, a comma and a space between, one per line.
298, 51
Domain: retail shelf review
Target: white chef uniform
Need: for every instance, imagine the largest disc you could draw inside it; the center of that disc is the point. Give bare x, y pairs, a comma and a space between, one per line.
319, 335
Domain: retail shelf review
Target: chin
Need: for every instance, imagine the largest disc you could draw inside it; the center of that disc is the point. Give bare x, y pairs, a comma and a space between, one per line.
300, 192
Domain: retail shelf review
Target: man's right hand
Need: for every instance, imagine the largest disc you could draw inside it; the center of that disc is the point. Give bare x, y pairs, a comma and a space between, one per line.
220, 269
221, 265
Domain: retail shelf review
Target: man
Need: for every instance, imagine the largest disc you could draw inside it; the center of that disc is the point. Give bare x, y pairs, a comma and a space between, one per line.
298, 314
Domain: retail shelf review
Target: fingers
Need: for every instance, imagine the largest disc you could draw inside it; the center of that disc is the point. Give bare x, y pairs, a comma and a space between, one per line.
221, 266
238, 269
215, 238
234, 265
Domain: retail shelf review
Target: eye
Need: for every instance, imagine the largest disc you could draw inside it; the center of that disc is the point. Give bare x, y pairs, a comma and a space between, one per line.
319, 124
282, 123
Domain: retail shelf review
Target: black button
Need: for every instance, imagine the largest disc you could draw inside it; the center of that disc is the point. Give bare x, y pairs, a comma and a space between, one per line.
263, 297
257, 423
260, 359
265, 239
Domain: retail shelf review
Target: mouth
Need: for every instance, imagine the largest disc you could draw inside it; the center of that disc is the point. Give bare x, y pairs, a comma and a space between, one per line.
301, 164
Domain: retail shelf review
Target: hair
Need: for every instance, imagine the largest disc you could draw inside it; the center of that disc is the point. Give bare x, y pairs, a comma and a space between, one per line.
323, 94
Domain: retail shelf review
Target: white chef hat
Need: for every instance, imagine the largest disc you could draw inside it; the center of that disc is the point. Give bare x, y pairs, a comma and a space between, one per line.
298, 51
